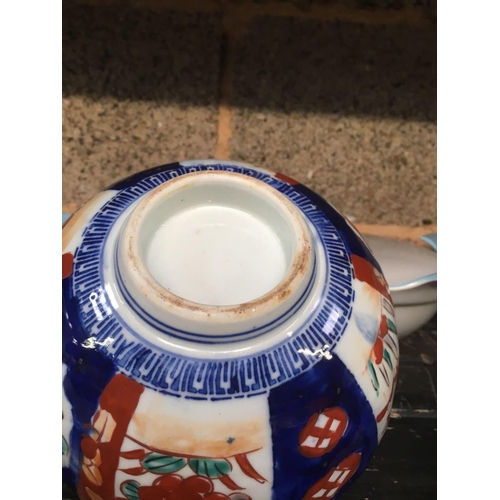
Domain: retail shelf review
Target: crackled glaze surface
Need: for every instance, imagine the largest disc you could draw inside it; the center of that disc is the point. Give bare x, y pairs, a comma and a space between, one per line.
283, 397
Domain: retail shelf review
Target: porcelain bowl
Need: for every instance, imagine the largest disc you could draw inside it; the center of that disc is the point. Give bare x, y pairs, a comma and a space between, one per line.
411, 271
227, 335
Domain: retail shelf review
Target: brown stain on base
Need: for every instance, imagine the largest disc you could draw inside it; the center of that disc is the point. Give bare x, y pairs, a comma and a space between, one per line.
224, 132
233, 26
150, 287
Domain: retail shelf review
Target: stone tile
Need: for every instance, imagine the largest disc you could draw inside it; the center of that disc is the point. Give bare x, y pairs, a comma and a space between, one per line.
328, 67
349, 110
378, 171
110, 139
140, 89
404, 465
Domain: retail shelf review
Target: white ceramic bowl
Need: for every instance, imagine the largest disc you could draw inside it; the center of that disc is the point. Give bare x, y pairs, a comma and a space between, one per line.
411, 271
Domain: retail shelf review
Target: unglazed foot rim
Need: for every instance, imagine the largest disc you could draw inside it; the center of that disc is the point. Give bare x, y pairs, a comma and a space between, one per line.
139, 280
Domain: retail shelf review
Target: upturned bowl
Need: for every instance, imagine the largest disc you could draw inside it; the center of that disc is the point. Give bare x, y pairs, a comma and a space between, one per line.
411, 272
227, 334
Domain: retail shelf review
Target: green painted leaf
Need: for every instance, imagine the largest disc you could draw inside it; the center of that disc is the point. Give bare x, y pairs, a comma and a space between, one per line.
374, 375
65, 447
162, 464
210, 467
391, 326
130, 489
387, 357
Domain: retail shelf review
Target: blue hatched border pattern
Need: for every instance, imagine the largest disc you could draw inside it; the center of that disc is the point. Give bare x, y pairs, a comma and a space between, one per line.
210, 379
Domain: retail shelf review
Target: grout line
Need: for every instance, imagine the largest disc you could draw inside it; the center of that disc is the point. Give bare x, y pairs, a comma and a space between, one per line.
188, 6
234, 24
225, 114
249, 9
224, 132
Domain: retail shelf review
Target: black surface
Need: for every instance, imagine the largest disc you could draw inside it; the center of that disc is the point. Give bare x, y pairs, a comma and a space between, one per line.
404, 465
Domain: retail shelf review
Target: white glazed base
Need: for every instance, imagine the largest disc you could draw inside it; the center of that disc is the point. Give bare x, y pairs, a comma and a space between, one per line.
214, 251
216, 255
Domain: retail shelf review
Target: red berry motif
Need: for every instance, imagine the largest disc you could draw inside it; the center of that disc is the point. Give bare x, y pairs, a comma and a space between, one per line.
175, 487
197, 484
378, 350
169, 482
152, 493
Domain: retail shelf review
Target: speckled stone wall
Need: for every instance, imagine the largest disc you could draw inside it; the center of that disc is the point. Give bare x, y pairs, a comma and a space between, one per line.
338, 94
140, 89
